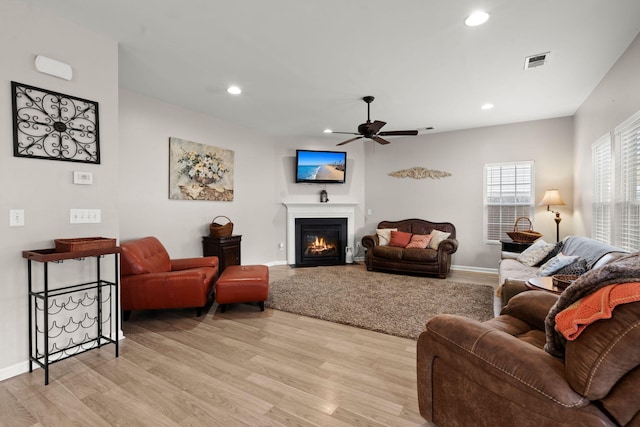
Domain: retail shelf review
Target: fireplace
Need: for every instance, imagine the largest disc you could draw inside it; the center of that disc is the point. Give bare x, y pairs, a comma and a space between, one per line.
320, 241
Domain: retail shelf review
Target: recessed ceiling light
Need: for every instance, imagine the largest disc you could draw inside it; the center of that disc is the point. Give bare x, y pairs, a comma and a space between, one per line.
476, 18
327, 131
487, 106
234, 90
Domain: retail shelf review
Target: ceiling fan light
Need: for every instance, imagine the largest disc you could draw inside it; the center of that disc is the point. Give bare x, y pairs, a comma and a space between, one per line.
476, 18
234, 90
327, 131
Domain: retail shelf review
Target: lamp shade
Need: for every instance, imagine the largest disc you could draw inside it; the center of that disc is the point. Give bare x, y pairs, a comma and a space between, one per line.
551, 197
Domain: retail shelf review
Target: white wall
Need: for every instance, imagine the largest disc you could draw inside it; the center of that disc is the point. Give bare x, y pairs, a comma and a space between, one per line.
263, 180
43, 188
615, 99
459, 198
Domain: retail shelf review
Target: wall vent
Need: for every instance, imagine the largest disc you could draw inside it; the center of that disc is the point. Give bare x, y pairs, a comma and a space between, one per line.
535, 61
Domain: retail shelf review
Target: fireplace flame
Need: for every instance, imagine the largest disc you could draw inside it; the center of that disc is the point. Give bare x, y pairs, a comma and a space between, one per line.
319, 246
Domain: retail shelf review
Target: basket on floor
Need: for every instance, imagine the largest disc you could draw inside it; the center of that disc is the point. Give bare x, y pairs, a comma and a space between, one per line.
523, 236
218, 230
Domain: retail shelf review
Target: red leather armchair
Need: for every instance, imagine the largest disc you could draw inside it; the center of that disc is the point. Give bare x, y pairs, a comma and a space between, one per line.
149, 279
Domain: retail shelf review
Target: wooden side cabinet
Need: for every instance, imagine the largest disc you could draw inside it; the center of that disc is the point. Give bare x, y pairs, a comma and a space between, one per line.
227, 249
509, 245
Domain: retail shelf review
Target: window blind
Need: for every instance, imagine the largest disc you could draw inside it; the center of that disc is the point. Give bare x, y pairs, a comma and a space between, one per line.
602, 191
627, 192
508, 194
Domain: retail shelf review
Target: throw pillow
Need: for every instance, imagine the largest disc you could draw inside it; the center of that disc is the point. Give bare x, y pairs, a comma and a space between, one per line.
535, 253
399, 239
577, 268
419, 241
556, 263
384, 235
437, 237
556, 250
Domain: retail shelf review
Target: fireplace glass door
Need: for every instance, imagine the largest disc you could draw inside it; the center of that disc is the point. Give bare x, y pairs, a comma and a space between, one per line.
320, 241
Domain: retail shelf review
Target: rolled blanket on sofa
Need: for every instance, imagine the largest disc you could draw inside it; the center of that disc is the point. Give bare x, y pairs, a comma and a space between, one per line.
622, 270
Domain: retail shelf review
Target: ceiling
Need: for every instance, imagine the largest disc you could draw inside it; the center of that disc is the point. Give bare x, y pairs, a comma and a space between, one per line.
304, 65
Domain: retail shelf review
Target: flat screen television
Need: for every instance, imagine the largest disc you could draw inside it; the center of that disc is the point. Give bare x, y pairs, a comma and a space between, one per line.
322, 167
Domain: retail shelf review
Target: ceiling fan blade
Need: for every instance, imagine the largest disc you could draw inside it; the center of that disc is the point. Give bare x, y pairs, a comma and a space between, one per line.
346, 133
376, 126
399, 133
379, 140
348, 140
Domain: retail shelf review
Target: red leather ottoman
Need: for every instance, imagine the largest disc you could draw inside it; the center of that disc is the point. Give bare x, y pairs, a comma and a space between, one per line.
243, 283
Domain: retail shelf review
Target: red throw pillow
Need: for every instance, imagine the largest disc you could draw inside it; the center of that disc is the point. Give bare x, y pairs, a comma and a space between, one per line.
420, 241
399, 239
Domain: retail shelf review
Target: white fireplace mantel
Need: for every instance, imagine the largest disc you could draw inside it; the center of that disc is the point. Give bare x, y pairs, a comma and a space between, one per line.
318, 210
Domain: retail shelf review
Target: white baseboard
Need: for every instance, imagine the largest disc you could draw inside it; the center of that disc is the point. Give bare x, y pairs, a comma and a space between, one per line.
15, 370
474, 269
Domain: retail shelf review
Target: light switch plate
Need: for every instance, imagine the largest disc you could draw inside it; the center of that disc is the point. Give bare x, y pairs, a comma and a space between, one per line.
82, 178
16, 217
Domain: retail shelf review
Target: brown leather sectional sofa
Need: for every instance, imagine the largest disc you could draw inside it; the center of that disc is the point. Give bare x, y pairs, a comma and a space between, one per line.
497, 373
411, 260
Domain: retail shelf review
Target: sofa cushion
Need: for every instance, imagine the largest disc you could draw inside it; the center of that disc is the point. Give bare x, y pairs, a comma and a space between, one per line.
399, 239
419, 241
535, 253
556, 250
556, 263
437, 237
420, 255
387, 252
384, 235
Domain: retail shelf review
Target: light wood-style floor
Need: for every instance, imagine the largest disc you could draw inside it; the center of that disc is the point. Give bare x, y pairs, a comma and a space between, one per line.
244, 367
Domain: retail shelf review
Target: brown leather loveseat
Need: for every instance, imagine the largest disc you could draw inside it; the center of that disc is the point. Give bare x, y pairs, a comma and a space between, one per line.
434, 260
149, 279
497, 373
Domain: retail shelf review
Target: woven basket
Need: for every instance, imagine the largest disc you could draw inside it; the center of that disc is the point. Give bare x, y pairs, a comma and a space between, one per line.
84, 244
523, 236
563, 280
217, 230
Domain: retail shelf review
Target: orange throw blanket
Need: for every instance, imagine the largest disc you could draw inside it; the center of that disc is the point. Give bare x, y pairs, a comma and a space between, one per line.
571, 321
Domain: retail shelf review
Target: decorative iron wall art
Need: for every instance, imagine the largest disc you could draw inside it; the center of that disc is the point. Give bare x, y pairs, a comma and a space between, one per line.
199, 172
54, 126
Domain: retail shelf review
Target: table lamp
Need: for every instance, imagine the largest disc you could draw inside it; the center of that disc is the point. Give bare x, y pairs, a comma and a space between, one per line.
552, 197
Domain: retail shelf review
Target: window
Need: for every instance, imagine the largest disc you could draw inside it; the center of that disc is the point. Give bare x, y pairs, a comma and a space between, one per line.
626, 230
508, 194
601, 200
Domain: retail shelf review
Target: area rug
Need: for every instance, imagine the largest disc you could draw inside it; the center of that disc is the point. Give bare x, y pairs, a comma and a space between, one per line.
394, 304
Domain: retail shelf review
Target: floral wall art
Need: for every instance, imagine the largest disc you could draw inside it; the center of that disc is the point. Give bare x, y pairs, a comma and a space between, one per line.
199, 171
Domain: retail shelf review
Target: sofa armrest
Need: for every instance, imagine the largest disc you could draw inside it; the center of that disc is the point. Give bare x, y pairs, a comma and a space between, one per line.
370, 241
187, 263
531, 307
448, 246
494, 359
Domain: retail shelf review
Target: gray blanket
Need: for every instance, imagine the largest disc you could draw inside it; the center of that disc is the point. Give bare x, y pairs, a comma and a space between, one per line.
588, 249
622, 270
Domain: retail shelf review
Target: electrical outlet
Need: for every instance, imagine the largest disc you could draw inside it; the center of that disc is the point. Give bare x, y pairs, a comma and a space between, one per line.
16, 217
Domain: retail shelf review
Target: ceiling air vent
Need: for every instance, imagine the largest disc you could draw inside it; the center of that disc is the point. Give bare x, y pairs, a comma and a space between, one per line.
535, 61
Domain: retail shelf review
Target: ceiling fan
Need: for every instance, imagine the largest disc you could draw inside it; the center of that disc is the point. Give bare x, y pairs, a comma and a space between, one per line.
371, 129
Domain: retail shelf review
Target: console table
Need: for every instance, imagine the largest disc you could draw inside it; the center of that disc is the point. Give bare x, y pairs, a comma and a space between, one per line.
69, 320
227, 249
